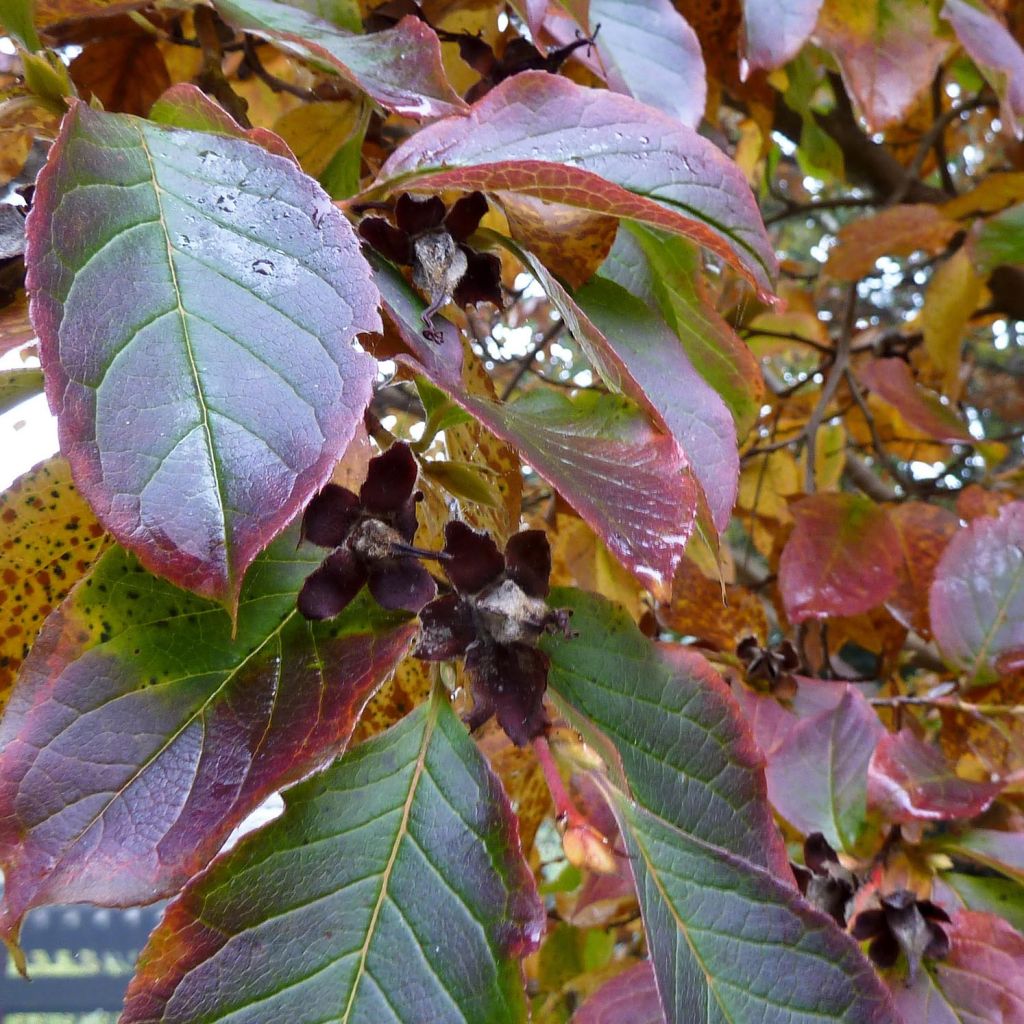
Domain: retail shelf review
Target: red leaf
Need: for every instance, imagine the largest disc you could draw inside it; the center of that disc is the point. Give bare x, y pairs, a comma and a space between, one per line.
197, 418
186, 106
999, 56
637, 354
400, 67
842, 557
910, 780
981, 981
818, 775
888, 53
893, 381
140, 733
650, 52
629, 998
924, 531
977, 598
774, 31
545, 135
630, 483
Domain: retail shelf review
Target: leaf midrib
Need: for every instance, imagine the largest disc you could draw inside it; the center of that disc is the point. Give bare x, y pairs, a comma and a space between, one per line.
158, 192
400, 835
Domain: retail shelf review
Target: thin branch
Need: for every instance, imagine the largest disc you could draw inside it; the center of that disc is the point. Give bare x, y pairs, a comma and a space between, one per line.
527, 360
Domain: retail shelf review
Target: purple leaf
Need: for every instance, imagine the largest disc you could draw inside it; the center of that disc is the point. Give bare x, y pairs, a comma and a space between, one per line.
630, 483
221, 386
977, 596
400, 68
818, 775
392, 888
910, 780
629, 998
165, 731
774, 31
998, 55
649, 51
546, 136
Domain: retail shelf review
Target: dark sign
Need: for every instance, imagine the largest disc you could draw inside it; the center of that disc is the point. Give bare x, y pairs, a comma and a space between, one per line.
80, 960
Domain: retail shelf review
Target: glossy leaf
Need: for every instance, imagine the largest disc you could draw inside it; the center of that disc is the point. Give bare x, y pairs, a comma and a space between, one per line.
910, 780
637, 354
981, 981
165, 730
690, 409
667, 271
628, 482
924, 531
392, 888
818, 773
842, 557
699, 770
49, 539
17, 385
629, 998
233, 268
593, 152
893, 381
1003, 851
977, 597
730, 942
400, 68
774, 31
888, 51
649, 51
993, 48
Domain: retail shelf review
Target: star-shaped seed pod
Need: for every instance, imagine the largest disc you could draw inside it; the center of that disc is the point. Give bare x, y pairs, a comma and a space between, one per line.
771, 665
431, 239
370, 535
494, 618
823, 880
903, 923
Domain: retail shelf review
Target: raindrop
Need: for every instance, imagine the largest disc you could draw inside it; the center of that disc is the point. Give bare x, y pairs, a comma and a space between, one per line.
264, 267
184, 241
207, 156
644, 140
226, 203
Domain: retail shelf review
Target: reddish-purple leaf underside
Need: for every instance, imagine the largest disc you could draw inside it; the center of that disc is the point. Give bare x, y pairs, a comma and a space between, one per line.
400, 67
977, 597
910, 780
546, 136
196, 298
629, 998
842, 557
140, 732
629, 482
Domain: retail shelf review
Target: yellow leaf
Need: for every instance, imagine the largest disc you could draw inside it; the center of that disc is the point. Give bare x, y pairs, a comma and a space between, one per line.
996, 192
829, 456
316, 131
49, 538
952, 296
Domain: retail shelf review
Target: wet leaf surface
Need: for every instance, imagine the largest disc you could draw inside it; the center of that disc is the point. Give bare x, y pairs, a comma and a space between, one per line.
216, 401
392, 888
166, 729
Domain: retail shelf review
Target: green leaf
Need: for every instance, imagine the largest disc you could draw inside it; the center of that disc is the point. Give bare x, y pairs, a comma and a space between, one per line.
667, 727
1001, 896
733, 945
17, 385
16, 17
165, 729
999, 239
391, 889
670, 269
221, 387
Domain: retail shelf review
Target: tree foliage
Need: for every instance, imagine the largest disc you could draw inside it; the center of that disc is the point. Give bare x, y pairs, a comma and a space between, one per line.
574, 451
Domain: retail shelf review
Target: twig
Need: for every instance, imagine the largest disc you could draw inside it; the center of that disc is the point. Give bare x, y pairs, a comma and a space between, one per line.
255, 65
527, 360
